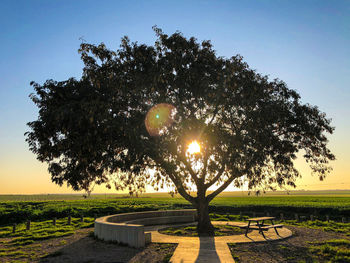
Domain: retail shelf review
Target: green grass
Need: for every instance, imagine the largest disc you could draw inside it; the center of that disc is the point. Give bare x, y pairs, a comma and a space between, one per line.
331, 226
79, 196
44, 230
226, 207
227, 217
25, 243
19, 211
15, 212
167, 257
337, 250
169, 250
220, 230
13, 253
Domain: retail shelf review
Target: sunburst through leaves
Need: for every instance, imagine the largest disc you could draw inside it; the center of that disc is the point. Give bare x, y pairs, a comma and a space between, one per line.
194, 147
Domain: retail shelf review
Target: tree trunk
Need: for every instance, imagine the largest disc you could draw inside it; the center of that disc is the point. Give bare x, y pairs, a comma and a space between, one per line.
204, 227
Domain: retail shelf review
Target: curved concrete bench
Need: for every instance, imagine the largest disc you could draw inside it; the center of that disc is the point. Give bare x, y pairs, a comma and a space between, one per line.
129, 229
151, 221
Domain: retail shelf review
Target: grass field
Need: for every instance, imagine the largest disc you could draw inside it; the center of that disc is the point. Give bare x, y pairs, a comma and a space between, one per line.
60, 197
41, 209
16, 209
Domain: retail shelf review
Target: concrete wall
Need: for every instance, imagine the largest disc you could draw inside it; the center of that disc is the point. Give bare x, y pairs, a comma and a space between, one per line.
132, 235
122, 228
147, 214
151, 221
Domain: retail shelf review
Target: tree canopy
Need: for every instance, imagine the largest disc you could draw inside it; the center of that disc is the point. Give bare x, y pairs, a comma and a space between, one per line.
249, 128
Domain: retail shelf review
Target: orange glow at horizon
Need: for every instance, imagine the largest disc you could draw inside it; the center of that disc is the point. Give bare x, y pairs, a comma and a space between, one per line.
32, 177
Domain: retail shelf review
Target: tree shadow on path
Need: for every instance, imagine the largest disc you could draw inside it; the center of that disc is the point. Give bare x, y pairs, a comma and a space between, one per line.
88, 249
207, 250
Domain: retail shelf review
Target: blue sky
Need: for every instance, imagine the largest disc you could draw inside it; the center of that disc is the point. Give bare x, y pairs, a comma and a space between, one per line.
304, 43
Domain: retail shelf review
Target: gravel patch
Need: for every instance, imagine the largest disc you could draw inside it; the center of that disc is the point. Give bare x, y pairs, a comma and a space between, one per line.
293, 249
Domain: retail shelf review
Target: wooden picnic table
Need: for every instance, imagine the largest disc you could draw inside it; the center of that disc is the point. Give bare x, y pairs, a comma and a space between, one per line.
259, 225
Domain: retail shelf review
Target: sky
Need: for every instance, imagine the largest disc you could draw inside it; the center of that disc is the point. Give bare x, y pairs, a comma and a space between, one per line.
304, 43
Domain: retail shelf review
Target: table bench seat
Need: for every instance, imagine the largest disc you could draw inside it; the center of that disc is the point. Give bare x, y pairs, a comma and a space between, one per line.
260, 226
246, 225
271, 226
264, 228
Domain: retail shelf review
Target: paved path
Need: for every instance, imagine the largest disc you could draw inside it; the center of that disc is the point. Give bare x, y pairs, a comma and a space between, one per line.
211, 249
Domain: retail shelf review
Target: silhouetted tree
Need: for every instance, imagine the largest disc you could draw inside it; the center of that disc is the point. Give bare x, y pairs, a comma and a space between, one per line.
249, 128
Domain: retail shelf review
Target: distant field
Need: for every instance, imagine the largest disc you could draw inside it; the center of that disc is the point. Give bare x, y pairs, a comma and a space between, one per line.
57, 197
18, 208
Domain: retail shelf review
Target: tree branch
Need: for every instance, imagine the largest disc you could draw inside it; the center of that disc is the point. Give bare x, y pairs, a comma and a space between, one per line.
220, 189
207, 185
216, 110
179, 186
205, 165
192, 173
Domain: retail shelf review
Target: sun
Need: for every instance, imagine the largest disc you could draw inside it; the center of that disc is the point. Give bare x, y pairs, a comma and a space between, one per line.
194, 147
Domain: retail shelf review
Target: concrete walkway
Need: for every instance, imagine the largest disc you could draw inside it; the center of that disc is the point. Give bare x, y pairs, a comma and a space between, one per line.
211, 249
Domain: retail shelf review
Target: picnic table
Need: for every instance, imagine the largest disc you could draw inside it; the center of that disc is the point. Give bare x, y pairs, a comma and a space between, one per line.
259, 225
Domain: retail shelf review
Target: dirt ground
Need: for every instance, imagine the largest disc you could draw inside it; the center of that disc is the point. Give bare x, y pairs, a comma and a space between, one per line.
293, 249
82, 247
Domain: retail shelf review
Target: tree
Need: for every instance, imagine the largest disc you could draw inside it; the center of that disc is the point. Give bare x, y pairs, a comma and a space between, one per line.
242, 127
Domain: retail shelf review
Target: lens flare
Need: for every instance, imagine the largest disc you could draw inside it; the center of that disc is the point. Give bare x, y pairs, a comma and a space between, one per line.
194, 147
159, 117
